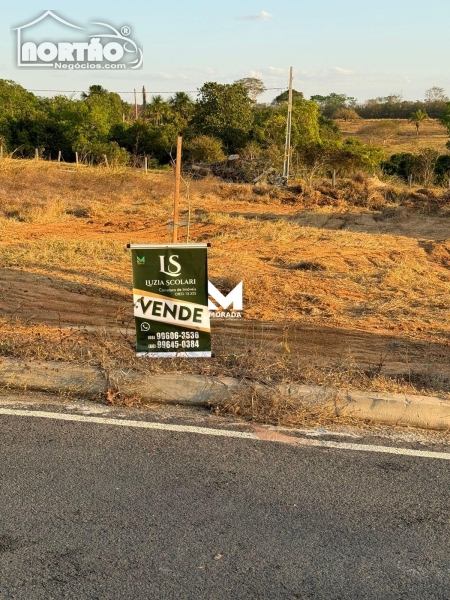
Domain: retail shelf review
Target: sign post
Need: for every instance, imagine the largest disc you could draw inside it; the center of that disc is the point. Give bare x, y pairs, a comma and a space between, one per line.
170, 293
177, 190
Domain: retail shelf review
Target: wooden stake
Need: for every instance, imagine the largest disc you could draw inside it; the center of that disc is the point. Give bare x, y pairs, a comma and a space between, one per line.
1, 151
59, 156
146, 164
410, 178
76, 158
106, 160
36, 154
177, 190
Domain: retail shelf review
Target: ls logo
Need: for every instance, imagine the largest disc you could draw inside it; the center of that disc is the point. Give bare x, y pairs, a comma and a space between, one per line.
174, 268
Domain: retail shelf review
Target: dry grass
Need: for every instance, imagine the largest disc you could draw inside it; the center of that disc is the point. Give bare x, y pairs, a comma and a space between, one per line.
432, 134
253, 403
367, 256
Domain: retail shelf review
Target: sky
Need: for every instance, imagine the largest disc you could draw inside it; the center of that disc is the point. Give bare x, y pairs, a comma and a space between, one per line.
361, 49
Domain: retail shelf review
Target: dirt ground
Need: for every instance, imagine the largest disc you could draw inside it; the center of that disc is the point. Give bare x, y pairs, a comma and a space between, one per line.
331, 285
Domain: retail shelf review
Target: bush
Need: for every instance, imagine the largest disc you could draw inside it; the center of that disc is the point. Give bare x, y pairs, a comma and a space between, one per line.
205, 149
346, 114
427, 167
116, 155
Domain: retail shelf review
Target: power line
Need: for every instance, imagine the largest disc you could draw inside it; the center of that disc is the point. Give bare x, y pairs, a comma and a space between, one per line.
150, 92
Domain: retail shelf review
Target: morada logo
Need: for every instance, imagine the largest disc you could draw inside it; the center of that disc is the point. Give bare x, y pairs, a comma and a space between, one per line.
235, 298
72, 47
174, 268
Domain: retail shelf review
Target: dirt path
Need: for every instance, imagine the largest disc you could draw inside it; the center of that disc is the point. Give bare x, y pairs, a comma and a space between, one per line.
56, 303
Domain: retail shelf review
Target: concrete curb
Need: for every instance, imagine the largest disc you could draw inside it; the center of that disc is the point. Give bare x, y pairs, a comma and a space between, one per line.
392, 409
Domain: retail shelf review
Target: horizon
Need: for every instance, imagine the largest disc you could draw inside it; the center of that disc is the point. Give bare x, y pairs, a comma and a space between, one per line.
362, 55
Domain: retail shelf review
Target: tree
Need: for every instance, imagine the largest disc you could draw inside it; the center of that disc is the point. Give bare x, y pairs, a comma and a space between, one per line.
254, 86
329, 130
353, 155
435, 102
105, 109
94, 90
270, 125
346, 158
15, 101
140, 137
346, 114
442, 169
206, 149
18, 110
388, 107
284, 97
445, 117
182, 110
69, 126
402, 164
380, 131
417, 118
157, 110
333, 102
224, 112
424, 166
182, 104
436, 94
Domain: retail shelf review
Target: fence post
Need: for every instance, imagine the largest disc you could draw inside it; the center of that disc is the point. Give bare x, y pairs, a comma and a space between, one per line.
59, 156
106, 160
410, 178
1, 151
36, 154
76, 158
146, 164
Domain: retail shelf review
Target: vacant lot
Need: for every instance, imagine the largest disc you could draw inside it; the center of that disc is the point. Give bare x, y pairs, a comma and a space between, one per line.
398, 135
345, 287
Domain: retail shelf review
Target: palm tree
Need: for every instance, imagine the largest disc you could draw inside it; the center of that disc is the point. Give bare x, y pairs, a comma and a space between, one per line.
157, 109
417, 118
94, 90
183, 104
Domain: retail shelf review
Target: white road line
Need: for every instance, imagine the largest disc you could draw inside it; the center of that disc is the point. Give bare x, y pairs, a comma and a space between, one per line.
311, 443
380, 449
125, 423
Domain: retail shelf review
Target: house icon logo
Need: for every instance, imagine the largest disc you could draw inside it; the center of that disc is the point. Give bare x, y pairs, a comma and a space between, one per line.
74, 47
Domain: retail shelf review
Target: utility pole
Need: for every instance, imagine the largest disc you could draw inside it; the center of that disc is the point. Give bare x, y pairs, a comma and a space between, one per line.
287, 152
144, 99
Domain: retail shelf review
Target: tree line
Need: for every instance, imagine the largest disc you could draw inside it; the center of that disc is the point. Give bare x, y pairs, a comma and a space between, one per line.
224, 119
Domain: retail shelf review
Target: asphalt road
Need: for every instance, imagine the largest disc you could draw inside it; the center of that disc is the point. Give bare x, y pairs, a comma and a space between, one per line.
91, 511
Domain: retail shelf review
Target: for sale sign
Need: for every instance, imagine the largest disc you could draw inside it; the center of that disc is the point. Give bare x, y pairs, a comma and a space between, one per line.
170, 293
